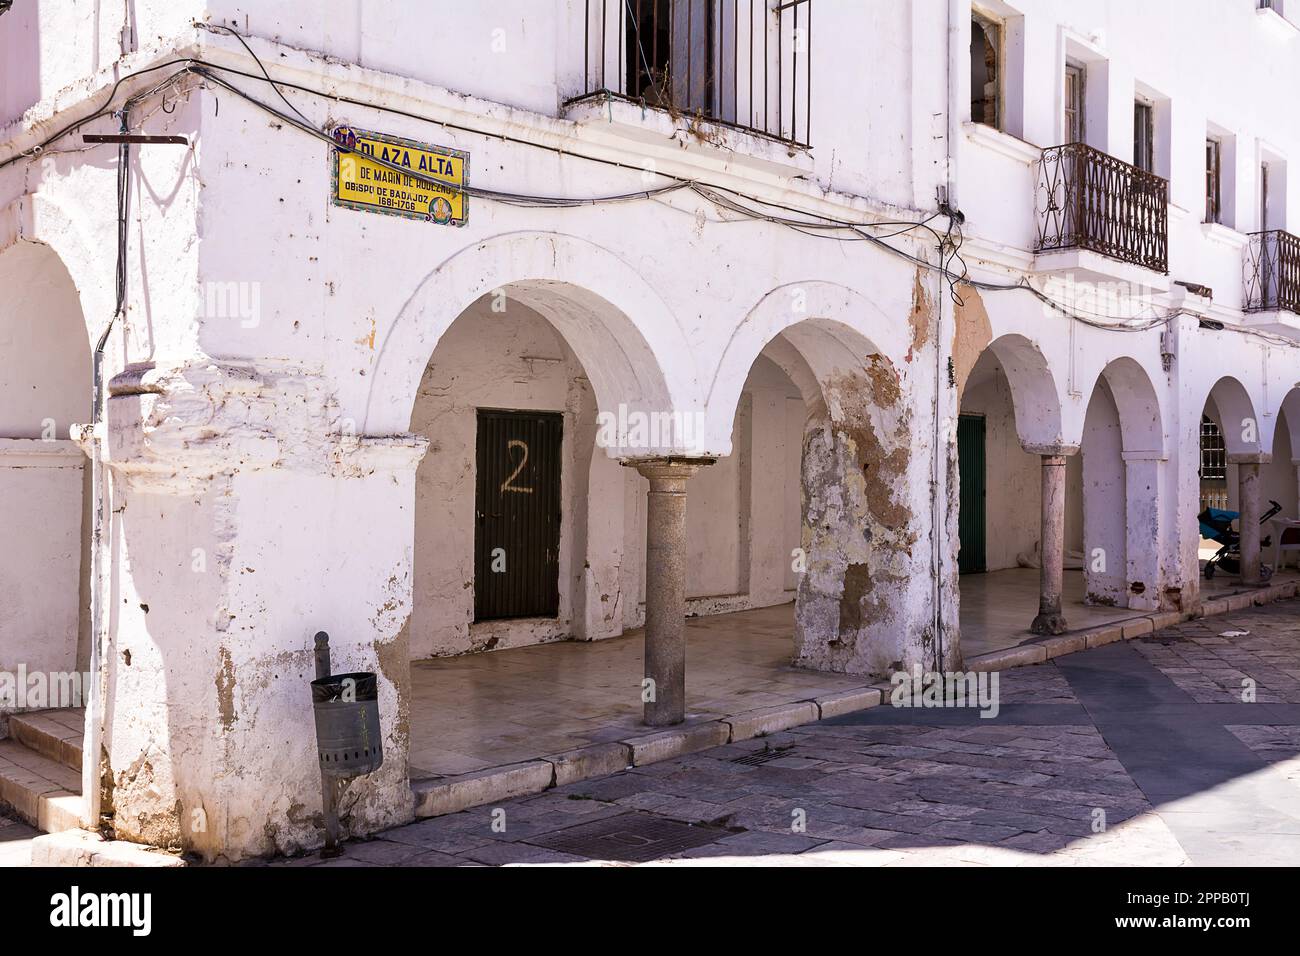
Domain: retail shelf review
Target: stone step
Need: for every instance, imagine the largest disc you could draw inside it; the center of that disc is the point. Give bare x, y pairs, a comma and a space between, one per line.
44, 792
80, 848
56, 734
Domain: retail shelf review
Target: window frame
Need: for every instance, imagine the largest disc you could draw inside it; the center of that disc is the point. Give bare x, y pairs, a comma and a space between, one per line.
1144, 118
1213, 180
1076, 131
986, 21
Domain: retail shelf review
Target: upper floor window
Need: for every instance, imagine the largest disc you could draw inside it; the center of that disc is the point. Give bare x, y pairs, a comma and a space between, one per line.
1265, 212
1075, 79
670, 63
1213, 180
743, 63
986, 70
1272, 191
1144, 136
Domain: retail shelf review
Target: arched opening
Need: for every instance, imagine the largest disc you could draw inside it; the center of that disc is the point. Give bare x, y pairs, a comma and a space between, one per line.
45, 387
1010, 448
806, 505
1009, 435
1008, 404
1234, 462
1279, 483
525, 527
1097, 516
850, 543
530, 538
1114, 523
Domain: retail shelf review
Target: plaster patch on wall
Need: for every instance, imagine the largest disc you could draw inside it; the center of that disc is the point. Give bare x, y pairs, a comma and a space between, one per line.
143, 820
225, 681
921, 317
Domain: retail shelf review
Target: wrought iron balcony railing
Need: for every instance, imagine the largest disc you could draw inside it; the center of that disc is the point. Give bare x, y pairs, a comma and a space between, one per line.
741, 63
1272, 272
1086, 199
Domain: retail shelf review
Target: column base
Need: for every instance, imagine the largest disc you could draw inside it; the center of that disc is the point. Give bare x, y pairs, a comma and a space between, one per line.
660, 718
1049, 623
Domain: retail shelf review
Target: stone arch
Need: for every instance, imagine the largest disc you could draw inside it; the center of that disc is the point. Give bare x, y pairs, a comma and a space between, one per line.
832, 328
1141, 422
1243, 431
45, 387
1289, 412
1123, 451
1034, 394
1281, 477
626, 338
36, 219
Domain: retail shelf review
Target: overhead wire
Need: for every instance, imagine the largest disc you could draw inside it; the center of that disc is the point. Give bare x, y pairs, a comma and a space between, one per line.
948, 243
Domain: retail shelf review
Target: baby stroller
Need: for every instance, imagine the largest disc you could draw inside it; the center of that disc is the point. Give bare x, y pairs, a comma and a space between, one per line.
1216, 524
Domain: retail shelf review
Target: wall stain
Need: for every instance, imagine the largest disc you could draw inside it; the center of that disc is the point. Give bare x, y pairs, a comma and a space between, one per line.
972, 333
225, 682
921, 317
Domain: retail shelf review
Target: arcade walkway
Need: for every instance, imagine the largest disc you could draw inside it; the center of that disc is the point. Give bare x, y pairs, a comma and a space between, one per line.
491, 709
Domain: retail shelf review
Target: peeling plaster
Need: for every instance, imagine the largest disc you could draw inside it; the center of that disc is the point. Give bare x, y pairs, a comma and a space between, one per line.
859, 529
225, 682
972, 333
921, 317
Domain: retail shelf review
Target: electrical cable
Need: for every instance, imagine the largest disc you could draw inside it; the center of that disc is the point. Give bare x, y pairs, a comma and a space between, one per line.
261, 66
719, 196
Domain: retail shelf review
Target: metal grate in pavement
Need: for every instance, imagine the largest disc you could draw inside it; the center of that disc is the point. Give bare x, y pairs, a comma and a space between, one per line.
630, 838
763, 756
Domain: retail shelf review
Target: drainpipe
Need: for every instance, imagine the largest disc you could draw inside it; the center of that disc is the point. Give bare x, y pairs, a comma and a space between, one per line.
938, 512
90, 769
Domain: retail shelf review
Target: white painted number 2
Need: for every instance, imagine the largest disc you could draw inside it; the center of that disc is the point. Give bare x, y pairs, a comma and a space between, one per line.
508, 484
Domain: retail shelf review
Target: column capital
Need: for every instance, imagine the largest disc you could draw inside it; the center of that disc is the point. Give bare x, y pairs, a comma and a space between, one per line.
667, 469
1050, 451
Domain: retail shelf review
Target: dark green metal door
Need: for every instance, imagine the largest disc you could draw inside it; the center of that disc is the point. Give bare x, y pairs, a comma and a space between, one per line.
970, 469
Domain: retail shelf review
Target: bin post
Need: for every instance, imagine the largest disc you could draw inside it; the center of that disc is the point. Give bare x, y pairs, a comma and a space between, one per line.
328, 785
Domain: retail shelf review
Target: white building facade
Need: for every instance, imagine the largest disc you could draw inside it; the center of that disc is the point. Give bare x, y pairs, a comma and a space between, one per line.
704, 308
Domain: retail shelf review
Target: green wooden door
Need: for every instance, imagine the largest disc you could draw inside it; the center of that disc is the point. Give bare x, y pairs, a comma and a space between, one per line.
970, 469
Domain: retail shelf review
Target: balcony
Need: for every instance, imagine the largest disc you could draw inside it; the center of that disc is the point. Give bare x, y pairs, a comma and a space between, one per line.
734, 63
1087, 200
1272, 272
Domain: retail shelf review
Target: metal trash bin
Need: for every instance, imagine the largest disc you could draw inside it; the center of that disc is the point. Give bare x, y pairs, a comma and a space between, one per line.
348, 735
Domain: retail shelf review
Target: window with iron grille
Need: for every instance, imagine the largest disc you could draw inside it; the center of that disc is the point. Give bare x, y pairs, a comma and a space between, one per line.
1214, 453
742, 63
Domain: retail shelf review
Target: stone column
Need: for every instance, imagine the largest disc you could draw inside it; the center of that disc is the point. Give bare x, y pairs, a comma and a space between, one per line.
665, 587
1050, 620
1248, 523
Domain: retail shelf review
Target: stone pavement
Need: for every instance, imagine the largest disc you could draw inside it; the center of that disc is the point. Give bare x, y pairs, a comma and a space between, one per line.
1137, 753
15, 841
